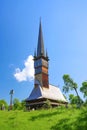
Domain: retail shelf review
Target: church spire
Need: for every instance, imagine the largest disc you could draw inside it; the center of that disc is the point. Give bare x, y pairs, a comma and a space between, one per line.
41, 62
40, 47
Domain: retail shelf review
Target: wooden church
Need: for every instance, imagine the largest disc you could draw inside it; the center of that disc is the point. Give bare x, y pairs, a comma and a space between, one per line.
42, 90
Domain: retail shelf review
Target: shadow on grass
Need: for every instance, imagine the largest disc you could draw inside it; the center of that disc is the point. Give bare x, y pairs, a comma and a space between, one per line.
82, 121
62, 125
33, 118
44, 115
12, 118
68, 124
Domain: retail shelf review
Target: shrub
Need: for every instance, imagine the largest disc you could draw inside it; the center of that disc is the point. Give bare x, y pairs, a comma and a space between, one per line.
3, 104
47, 104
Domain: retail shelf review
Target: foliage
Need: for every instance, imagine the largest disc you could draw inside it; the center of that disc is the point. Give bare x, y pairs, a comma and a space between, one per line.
3, 104
16, 104
83, 88
69, 84
47, 104
23, 105
74, 99
85, 103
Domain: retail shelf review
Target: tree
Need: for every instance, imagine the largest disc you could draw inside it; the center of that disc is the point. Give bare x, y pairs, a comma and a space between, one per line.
23, 104
3, 104
69, 84
16, 104
74, 99
83, 89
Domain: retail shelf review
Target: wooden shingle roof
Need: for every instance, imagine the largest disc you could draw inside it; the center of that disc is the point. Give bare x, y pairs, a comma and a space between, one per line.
53, 93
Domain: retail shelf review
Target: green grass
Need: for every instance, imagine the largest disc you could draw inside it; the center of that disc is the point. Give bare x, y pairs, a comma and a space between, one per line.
52, 119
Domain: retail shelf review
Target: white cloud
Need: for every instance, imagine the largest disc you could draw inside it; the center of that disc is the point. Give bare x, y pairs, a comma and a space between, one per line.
27, 73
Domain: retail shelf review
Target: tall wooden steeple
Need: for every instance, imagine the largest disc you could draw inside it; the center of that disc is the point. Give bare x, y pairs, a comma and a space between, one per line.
41, 62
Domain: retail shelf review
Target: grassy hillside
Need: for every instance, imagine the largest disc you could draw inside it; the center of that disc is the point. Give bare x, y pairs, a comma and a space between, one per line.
52, 119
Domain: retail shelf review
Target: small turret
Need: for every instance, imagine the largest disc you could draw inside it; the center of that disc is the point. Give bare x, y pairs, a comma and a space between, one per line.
47, 55
35, 53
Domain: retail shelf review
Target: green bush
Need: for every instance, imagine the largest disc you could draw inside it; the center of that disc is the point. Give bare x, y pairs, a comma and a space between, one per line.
47, 104
3, 104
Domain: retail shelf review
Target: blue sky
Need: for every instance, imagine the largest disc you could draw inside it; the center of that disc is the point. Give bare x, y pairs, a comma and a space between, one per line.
64, 24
